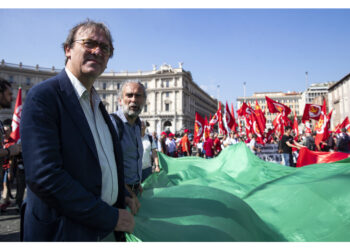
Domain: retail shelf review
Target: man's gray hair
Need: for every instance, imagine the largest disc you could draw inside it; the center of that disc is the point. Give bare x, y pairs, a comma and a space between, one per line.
120, 93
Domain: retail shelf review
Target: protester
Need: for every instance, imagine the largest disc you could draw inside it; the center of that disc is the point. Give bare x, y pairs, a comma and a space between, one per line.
310, 141
5, 153
208, 147
71, 153
131, 98
199, 146
253, 144
8, 167
329, 144
287, 143
163, 146
185, 144
343, 140
149, 153
171, 145
217, 144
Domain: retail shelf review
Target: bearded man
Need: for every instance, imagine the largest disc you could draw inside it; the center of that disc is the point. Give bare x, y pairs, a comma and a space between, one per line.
131, 98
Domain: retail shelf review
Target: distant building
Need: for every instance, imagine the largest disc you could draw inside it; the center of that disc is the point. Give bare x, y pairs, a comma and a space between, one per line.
173, 97
339, 100
290, 99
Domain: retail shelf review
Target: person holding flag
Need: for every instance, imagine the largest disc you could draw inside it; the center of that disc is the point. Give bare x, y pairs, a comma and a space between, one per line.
13, 150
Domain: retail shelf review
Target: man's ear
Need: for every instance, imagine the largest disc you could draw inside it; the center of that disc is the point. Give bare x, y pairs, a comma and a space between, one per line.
67, 51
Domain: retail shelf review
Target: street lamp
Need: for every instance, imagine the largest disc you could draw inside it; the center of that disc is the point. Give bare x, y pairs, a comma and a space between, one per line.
244, 83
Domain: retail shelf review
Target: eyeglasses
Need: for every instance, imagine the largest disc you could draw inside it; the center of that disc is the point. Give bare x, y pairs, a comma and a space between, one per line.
92, 45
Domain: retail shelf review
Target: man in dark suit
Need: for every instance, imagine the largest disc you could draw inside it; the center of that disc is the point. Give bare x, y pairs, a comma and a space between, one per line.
71, 152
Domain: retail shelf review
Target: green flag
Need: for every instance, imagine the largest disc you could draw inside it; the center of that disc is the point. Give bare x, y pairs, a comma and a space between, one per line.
238, 197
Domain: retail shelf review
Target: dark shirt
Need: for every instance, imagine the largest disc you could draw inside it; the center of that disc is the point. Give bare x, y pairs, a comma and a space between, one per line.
343, 143
310, 143
285, 148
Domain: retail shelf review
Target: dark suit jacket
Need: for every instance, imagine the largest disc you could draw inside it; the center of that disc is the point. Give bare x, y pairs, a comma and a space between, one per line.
63, 173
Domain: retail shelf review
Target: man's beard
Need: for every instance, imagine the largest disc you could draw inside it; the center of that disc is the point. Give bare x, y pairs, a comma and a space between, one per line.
131, 113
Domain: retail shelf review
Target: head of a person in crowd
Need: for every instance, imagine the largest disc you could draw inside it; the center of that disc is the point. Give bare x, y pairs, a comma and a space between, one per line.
224, 137
7, 128
343, 130
186, 131
215, 135
313, 134
211, 136
250, 135
5, 94
132, 98
163, 135
88, 48
288, 130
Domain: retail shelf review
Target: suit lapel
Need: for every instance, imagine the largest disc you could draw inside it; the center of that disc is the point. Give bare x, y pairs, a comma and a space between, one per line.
71, 102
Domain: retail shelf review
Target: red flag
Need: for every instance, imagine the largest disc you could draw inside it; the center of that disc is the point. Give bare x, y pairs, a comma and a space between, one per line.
345, 124
296, 127
222, 129
321, 127
16, 118
213, 121
256, 130
307, 157
206, 129
276, 107
311, 111
234, 127
198, 128
260, 117
228, 119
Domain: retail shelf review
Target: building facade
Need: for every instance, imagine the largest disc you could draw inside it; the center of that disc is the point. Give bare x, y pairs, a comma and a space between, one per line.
290, 99
173, 97
339, 100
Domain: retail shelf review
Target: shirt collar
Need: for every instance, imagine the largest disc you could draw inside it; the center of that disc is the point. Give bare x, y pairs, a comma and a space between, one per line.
80, 89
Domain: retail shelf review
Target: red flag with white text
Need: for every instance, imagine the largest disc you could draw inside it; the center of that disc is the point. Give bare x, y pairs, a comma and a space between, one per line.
16, 118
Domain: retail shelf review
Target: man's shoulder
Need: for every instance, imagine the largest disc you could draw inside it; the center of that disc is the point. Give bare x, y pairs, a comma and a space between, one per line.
46, 87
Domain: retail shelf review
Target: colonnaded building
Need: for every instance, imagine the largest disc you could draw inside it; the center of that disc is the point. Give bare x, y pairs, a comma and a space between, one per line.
173, 97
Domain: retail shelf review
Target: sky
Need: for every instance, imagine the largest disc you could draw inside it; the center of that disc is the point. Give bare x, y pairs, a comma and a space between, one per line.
269, 49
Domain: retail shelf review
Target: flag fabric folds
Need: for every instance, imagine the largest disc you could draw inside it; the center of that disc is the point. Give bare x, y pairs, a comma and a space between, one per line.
322, 127
276, 107
16, 118
308, 157
198, 128
239, 197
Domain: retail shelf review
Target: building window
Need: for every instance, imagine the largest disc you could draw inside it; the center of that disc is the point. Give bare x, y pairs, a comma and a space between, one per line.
167, 107
11, 79
166, 94
104, 85
28, 80
118, 85
167, 84
146, 85
104, 96
145, 108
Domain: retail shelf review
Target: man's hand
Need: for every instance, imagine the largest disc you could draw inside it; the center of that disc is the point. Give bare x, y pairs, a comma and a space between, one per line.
126, 222
133, 204
15, 149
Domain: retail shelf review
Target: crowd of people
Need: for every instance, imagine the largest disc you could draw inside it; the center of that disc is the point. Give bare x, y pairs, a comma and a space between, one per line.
287, 144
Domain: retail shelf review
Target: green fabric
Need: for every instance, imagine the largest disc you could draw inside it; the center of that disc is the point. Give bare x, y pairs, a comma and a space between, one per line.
238, 197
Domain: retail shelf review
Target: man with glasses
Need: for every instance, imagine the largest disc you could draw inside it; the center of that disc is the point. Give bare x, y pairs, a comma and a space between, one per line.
71, 151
